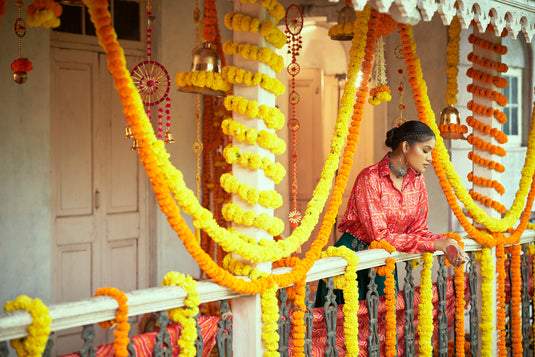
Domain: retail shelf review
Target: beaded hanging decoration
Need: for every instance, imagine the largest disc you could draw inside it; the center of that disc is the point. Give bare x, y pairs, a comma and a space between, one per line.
153, 83
294, 25
380, 93
20, 66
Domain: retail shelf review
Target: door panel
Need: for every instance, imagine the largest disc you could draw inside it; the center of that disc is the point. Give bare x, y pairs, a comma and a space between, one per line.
98, 189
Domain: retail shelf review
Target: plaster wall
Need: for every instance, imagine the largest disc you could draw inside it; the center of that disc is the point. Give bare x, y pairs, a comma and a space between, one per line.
431, 39
25, 237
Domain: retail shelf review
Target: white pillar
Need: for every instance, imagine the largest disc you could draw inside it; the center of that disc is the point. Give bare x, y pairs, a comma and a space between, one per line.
247, 313
484, 171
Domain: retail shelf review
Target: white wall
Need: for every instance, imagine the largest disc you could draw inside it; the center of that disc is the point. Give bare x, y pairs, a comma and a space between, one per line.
25, 239
431, 39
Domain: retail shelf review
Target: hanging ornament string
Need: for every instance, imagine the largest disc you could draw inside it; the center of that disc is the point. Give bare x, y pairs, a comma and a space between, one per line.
153, 84
20, 66
381, 92
294, 25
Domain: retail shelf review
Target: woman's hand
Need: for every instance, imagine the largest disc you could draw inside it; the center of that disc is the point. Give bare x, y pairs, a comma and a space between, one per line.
452, 250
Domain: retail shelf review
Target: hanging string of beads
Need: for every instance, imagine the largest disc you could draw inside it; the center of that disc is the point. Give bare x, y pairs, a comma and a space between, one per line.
294, 25
153, 84
20, 66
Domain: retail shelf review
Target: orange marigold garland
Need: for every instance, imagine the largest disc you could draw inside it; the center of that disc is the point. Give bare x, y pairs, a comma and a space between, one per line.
500, 297
45, 13
299, 328
390, 302
516, 299
120, 322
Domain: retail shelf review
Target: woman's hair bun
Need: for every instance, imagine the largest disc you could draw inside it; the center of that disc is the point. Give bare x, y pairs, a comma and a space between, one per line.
389, 136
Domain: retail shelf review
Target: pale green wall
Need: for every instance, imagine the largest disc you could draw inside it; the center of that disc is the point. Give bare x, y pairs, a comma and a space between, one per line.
25, 238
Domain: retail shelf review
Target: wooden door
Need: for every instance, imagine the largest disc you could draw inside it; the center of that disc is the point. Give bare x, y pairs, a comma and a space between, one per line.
98, 188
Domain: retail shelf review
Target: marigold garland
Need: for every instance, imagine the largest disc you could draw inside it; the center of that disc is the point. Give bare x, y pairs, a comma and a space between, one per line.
212, 80
453, 128
390, 302
338, 30
487, 129
487, 93
151, 153
237, 75
500, 298
275, 9
273, 225
488, 63
492, 165
252, 136
44, 13
266, 198
185, 316
487, 45
452, 58
122, 326
425, 312
348, 283
382, 244
486, 327
252, 52
240, 22
449, 178
460, 303
272, 116
485, 182
38, 332
486, 78
487, 201
273, 170
516, 300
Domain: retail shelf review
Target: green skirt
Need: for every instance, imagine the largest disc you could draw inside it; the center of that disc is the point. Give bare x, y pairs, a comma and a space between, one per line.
355, 244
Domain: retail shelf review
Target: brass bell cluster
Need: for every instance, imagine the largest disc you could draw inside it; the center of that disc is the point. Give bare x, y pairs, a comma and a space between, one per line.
168, 138
204, 58
450, 115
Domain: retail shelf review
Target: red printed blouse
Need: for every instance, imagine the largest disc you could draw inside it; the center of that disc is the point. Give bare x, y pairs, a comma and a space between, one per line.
377, 210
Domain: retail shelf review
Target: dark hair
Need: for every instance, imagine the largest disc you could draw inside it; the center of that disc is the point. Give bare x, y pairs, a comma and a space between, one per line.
412, 131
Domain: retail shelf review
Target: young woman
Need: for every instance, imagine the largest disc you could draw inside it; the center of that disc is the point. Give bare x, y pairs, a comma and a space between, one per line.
389, 202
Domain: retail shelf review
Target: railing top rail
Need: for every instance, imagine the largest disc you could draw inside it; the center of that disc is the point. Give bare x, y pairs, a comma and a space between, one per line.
102, 308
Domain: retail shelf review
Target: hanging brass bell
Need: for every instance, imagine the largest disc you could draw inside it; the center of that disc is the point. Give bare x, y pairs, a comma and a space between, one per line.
205, 59
168, 137
135, 146
20, 77
450, 115
347, 15
128, 133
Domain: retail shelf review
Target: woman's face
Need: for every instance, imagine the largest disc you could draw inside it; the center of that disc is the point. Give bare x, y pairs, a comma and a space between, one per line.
419, 154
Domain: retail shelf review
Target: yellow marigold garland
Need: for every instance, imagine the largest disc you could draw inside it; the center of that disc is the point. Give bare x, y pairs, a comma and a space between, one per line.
486, 327
235, 213
269, 302
122, 326
202, 79
34, 345
348, 283
252, 52
252, 136
425, 313
500, 298
240, 22
272, 116
275, 9
266, 198
185, 316
273, 170
235, 75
